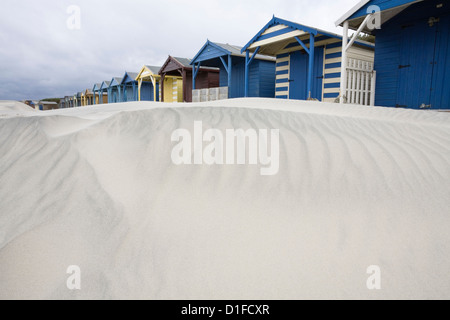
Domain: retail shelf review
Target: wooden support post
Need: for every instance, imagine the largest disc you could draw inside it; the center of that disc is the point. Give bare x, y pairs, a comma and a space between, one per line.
161, 85
344, 64
230, 67
185, 98
139, 88
311, 65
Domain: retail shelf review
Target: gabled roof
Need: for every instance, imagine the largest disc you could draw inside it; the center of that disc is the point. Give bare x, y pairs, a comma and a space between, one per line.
389, 8
184, 61
276, 35
153, 69
147, 71
227, 49
129, 77
97, 87
116, 81
47, 102
181, 63
105, 84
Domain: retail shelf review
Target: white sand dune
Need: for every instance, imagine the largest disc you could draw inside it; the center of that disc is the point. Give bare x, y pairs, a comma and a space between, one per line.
96, 187
14, 109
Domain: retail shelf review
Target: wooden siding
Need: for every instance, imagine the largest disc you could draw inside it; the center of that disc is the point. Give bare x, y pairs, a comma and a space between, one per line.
327, 71
210, 52
173, 69
147, 92
299, 75
292, 60
283, 68
266, 79
412, 58
332, 71
261, 78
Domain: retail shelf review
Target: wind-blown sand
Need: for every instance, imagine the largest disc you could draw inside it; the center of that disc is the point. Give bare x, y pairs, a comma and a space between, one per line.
96, 187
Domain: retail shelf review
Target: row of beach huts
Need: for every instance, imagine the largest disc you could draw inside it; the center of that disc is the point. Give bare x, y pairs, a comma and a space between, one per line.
408, 66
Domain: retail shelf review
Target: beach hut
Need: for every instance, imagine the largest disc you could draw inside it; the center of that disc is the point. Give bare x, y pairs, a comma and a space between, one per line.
231, 63
83, 103
78, 99
148, 83
47, 105
177, 79
96, 93
98, 96
115, 90
66, 102
308, 61
87, 98
412, 52
129, 86
62, 103
69, 101
104, 90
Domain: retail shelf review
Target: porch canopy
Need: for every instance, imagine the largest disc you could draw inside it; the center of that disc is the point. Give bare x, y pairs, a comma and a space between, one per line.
280, 36
388, 9
148, 74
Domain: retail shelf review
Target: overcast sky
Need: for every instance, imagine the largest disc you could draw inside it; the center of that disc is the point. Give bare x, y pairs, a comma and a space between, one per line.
41, 57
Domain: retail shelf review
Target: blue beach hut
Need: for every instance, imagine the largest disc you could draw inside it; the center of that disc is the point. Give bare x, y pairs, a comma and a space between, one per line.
412, 52
231, 62
104, 91
308, 60
130, 87
115, 90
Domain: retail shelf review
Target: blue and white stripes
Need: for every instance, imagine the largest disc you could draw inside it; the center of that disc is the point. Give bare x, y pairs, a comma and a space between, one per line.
282, 76
285, 39
332, 71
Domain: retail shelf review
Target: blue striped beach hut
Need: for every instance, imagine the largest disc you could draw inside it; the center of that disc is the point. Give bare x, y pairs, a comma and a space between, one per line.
308, 60
231, 62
